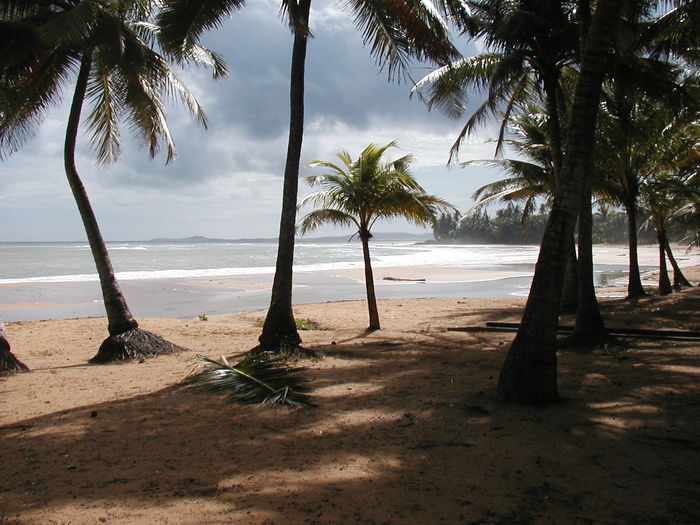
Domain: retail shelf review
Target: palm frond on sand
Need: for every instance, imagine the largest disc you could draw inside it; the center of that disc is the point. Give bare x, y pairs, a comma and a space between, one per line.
254, 379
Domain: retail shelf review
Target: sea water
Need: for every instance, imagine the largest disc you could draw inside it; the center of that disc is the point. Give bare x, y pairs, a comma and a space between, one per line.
185, 279
72, 261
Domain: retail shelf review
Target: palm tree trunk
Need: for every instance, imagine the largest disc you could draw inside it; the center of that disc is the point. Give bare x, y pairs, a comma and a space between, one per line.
569, 296
280, 328
634, 285
590, 329
118, 315
126, 341
8, 362
529, 373
664, 281
679, 280
369, 283
553, 124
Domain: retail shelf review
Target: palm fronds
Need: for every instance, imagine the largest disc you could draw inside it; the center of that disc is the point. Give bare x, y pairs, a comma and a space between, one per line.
255, 379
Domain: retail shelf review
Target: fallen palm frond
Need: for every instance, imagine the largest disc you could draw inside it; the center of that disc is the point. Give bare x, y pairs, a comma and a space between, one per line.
254, 379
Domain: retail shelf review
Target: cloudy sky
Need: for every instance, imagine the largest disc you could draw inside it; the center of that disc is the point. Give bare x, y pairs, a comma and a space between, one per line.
227, 181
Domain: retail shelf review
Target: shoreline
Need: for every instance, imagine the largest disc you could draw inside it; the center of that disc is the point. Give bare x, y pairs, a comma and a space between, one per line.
187, 298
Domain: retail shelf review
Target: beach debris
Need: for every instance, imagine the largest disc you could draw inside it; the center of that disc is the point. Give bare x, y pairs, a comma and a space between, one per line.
389, 278
254, 379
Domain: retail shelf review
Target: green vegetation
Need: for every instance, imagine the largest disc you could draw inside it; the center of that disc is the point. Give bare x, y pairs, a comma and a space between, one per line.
508, 225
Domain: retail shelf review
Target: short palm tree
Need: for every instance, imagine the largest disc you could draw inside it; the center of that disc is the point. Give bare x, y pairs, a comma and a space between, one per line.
358, 193
109, 44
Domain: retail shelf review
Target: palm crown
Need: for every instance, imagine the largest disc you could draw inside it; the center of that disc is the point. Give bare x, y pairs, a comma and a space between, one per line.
358, 193
128, 80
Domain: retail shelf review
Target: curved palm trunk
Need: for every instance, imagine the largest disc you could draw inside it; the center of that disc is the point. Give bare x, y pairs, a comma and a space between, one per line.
664, 281
8, 362
679, 280
369, 283
126, 340
634, 285
118, 315
529, 373
280, 328
590, 329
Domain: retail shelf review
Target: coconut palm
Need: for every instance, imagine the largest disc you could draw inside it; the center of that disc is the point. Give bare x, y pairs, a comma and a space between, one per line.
672, 165
529, 373
109, 44
358, 193
529, 178
531, 48
396, 33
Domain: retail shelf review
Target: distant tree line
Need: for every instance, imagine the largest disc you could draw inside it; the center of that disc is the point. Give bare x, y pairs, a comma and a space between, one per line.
508, 226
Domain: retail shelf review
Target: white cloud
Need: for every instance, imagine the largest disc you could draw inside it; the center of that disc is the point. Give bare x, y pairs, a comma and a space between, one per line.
227, 181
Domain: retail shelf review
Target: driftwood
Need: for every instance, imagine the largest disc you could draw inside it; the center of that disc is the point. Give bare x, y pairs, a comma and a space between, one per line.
688, 335
400, 279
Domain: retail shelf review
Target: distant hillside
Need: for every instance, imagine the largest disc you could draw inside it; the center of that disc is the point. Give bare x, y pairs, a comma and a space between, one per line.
381, 236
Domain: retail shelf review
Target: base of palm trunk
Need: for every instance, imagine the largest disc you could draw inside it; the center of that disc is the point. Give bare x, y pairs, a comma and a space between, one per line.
284, 350
527, 380
9, 364
133, 344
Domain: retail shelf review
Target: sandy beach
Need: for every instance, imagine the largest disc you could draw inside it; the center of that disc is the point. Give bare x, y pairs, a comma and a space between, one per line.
406, 431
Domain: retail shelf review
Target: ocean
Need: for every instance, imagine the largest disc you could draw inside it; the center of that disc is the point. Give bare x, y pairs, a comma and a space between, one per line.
72, 261
43, 280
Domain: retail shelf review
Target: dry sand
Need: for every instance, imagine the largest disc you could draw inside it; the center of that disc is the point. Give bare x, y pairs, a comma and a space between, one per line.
406, 431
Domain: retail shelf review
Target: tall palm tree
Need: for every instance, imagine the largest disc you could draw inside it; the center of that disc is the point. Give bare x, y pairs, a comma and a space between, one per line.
110, 44
396, 32
532, 49
529, 373
640, 71
360, 192
672, 164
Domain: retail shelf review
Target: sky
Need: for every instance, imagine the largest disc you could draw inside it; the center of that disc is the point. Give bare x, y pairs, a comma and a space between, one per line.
226, 181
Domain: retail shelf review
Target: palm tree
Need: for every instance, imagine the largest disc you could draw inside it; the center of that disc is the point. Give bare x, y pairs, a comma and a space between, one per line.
119, 73
529, 373
359, 193
639, 72
531, 50
396, 31
529, 180
9, 364
671, 164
